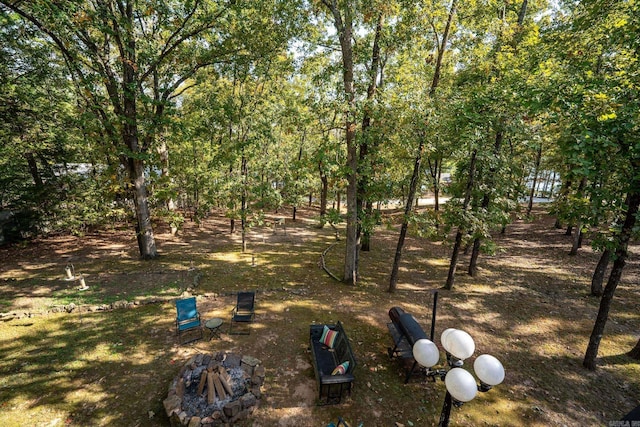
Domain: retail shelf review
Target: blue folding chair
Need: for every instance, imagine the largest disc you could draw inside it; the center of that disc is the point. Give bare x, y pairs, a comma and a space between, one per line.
188, 318
342, 423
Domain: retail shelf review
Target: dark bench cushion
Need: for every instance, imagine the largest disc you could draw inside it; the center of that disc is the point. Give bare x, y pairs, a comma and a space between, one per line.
325, 360
405, 331
411, 329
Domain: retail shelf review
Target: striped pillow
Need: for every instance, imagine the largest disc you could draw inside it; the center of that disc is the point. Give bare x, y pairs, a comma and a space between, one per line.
341, 368
328, 337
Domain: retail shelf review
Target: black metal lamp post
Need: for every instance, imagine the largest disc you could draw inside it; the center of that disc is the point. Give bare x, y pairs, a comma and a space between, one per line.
461, 385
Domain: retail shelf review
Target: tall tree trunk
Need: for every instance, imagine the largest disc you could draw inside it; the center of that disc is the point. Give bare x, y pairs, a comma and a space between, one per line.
146, 240
33, 169
232, 221
622, 242
523, 13
486, 200
297, 177
553, 185
442, 45
458, 242
535, 179
598, 274
163, 153
144, 231
324, 191
577, 237
393, 281
435, 170
473, 261
577, 240
441, 49
366, 236
344, 28
367, 147
196, 181
243, 206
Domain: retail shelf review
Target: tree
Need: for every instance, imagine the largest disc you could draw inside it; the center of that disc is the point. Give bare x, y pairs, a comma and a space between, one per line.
42, 129
621, 254
343, 16
441, 46
131, 60
369, 142
595, 59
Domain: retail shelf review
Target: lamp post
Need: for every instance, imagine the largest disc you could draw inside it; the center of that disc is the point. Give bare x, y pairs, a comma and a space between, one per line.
460, 384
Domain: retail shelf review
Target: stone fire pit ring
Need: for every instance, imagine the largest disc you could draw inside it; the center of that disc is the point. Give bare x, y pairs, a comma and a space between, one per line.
214, 389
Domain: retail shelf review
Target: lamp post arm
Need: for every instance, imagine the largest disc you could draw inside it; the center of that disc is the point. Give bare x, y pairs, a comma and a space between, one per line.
482, 387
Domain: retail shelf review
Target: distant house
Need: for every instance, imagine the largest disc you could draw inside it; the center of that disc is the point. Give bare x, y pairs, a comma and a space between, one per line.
83, 169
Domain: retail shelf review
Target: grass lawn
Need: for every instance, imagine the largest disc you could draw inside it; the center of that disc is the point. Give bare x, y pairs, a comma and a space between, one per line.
528, 305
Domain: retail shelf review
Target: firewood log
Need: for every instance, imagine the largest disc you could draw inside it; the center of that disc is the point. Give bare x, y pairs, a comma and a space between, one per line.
219, 388
203, 380
211, 394
226, 382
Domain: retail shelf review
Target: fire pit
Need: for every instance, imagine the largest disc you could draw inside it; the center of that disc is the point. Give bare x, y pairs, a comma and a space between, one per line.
214, 389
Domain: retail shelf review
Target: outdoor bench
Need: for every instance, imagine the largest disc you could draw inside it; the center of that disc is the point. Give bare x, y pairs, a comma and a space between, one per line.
405, 331
326, 361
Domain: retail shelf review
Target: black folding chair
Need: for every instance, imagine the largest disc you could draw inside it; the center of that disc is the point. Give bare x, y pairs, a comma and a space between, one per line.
243, 312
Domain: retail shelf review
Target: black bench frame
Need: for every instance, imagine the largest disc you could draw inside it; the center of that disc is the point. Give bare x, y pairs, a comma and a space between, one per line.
325, 360
405, 331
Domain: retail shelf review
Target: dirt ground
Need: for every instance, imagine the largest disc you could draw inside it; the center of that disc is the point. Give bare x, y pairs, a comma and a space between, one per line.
528, 305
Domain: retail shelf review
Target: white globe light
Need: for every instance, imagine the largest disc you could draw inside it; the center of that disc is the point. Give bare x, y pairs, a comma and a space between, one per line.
444, 335
459, 344
426, 353
489, 369
461, 384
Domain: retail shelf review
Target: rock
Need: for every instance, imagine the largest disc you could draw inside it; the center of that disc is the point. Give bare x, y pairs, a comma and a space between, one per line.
119, 304
182, 416
232, 361
248, 400
172, 404
251, 361
231, 409
206, 360
199, 358
256, 391
259, 371
194, 422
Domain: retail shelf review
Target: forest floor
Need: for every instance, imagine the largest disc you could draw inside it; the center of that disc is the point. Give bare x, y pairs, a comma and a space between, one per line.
529, 305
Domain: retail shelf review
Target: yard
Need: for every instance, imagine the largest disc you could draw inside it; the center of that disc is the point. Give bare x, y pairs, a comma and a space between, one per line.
67, 358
